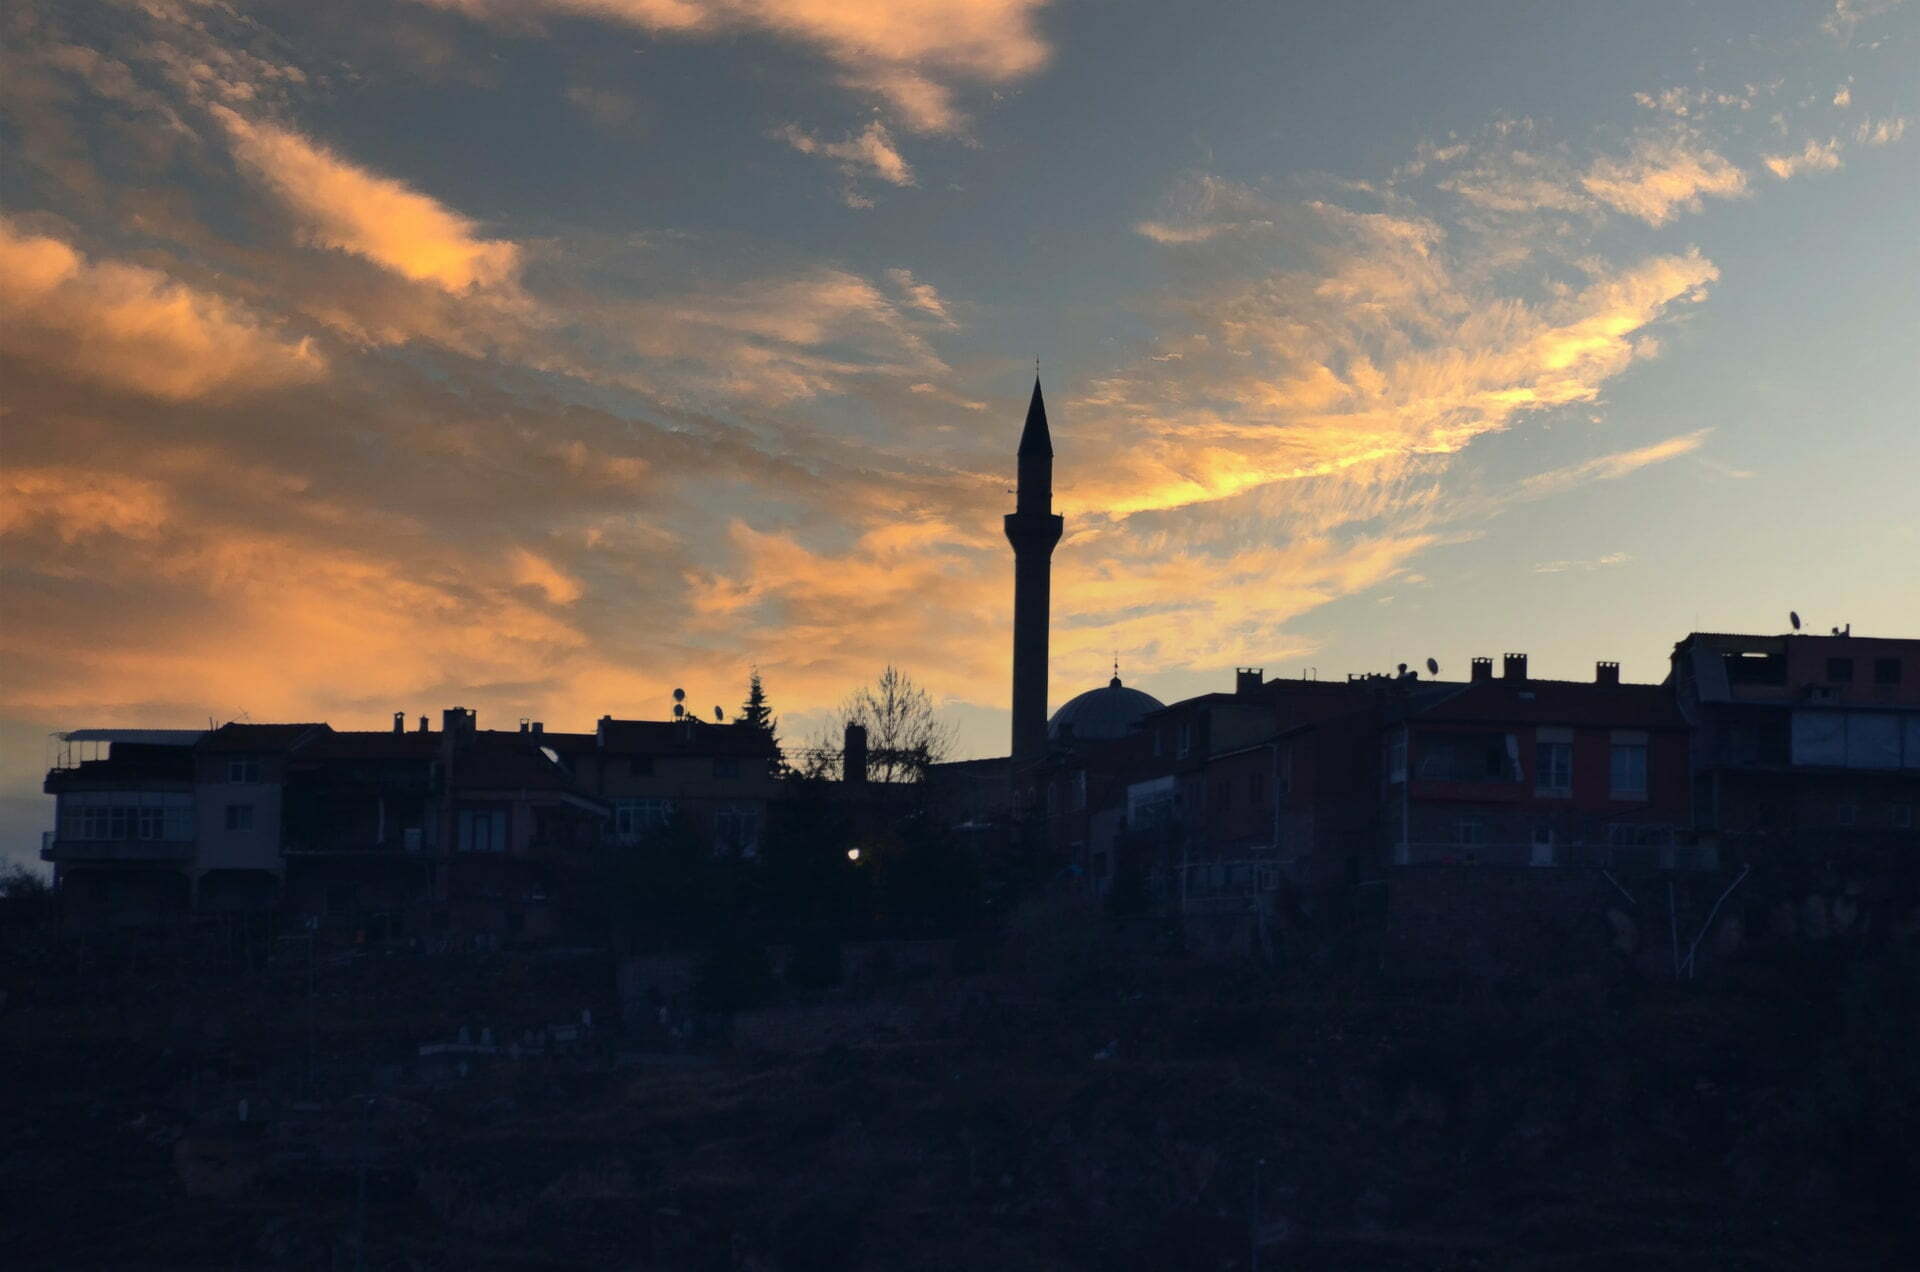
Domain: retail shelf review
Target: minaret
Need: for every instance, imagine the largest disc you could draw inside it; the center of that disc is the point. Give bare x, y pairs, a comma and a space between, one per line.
1032, 528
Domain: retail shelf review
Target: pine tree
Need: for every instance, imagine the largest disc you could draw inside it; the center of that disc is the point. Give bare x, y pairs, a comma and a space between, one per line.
755, 713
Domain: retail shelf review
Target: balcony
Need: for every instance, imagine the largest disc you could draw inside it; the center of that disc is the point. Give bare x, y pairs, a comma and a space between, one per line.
1560, 855
68, 852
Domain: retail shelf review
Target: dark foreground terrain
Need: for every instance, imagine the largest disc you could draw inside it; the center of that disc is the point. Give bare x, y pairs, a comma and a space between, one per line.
1083, 1102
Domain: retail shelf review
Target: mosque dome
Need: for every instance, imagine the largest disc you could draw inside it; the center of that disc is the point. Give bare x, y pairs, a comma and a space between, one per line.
1102, 714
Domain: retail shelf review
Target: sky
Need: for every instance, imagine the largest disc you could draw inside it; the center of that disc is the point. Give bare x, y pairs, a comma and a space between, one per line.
542, 356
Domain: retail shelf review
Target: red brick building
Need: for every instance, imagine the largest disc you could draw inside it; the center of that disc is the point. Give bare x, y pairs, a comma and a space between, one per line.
1519, 771
1802, 745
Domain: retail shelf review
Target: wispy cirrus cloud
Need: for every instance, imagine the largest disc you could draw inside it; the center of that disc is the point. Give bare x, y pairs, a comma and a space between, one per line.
1597, 563
779, 339
1662, 177
1333, 338
915, 55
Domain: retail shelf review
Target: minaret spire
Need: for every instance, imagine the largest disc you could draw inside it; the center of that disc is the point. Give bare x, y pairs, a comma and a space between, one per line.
1033, 528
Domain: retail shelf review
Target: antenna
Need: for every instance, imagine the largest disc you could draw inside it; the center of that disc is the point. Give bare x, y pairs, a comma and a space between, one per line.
1793, 616
719, 715
1433, 668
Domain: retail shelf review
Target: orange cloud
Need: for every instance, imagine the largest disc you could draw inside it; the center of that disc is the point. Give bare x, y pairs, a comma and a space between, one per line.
134, 328
910, 53
869, 153
1661, 177
1816, 156
342, 206
1383, 346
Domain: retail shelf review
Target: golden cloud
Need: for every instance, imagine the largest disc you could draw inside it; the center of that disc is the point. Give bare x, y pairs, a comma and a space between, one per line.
1660, 177
910, 53
340, 205
134, 328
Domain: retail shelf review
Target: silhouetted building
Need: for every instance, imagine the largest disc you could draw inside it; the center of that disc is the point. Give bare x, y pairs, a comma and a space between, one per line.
361, 832
718, 777
125, 835
1803, 746
1515, 770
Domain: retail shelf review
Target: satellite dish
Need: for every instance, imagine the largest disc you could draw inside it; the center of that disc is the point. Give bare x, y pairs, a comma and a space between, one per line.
1433, 668
679, 695
1793, 616
720, 715
1402, 669
678, 711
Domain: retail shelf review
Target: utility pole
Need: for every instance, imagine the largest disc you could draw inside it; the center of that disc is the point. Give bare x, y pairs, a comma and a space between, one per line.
360, 1197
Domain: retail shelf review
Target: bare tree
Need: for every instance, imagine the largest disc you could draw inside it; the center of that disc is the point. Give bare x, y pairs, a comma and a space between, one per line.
905, 735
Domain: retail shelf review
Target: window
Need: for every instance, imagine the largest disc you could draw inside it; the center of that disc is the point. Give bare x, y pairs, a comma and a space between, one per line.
1900, 815
1256, 787
737, 827
1469, 757
1840, 670
726, 766
1470, 830
106, 815
1629, 770
239, 816
1553, 768
1845, 814
633, 818
243, 770
1629, 835
1079, 789
1396, 757
1186, 736
1886, 671
483, 830
1226, 795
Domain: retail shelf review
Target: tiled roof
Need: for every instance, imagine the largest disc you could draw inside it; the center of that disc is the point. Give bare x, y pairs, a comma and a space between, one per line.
681, 737
1573, 702
373, 744
259, 737
499, 768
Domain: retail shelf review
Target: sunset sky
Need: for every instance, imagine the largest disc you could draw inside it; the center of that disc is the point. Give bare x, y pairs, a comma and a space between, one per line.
540, 356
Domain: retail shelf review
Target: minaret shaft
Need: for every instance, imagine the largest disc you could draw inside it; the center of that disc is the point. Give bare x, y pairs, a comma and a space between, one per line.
1033, 530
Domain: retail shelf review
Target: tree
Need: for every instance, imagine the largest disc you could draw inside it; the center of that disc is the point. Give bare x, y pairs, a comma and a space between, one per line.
755, 711
905, 735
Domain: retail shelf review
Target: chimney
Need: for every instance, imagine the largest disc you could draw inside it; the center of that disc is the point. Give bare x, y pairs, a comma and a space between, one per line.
1482, 669
1247, 679
1515, 668
399, 722
600, 731
457, 720
538, 728
526, 725
1606, 673
853, 760
423, 724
